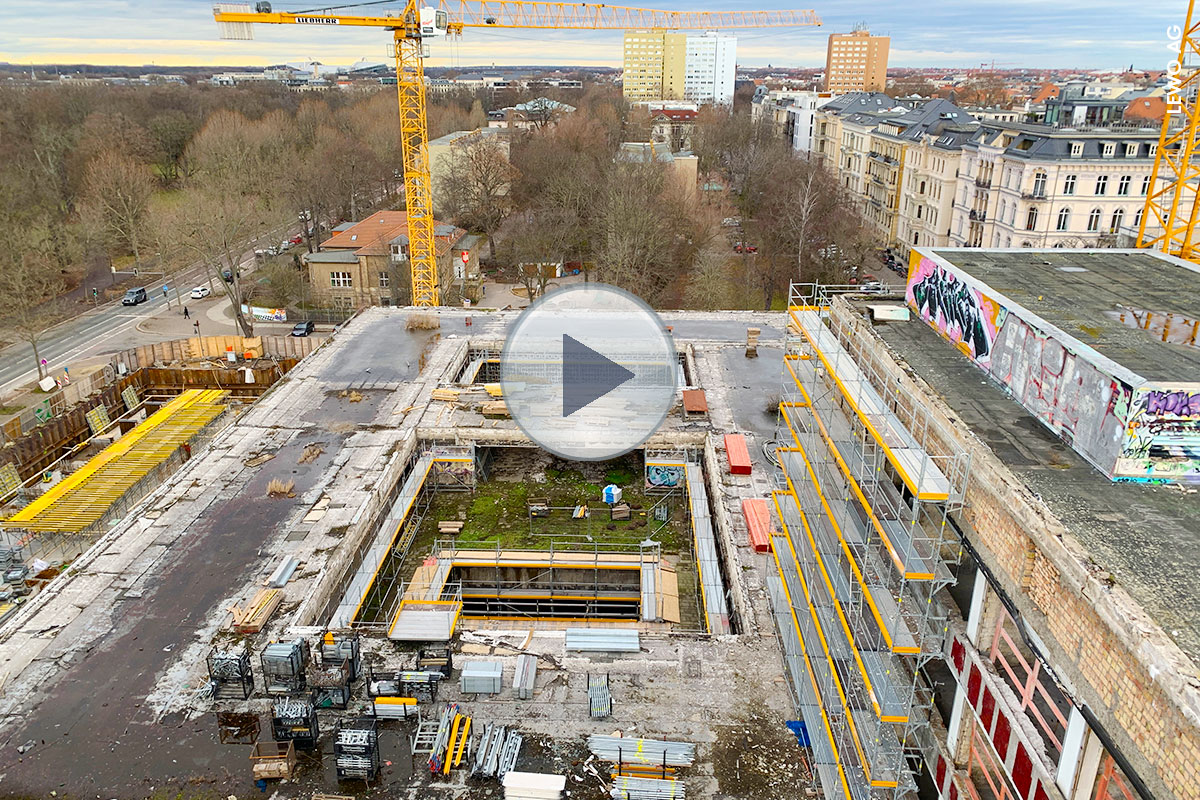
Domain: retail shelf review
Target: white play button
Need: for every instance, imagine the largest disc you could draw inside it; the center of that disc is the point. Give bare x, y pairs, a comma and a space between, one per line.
589, 372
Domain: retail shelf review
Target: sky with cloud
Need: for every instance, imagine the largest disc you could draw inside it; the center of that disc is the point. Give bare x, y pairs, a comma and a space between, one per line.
1097, 34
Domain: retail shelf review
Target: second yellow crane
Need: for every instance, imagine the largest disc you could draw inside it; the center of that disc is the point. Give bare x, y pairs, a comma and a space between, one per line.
413, 26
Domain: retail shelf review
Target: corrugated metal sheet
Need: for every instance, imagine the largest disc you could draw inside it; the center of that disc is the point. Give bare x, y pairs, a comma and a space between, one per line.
603, 640
525, 677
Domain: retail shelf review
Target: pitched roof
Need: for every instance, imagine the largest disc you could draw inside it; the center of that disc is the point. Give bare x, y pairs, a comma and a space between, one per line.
375, 234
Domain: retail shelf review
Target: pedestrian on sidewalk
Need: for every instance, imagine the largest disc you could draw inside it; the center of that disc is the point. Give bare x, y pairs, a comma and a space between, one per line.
196, 324
186, 315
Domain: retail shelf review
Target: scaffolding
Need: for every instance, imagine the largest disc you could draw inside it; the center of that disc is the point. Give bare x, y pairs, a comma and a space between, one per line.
368, 598
715, 610
868, 480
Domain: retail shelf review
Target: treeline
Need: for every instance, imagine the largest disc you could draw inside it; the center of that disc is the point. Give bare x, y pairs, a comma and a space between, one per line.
161, 177
567, 191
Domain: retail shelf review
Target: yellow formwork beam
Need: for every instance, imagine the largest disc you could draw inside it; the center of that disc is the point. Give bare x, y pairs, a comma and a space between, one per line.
83, 497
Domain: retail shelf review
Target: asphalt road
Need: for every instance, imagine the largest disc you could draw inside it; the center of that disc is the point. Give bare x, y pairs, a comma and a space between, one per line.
109, 328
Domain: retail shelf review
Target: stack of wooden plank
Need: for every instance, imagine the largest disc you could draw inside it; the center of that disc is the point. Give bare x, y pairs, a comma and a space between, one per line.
448, 395
494, 408
452, 527
273, 760
257, 612
752, 342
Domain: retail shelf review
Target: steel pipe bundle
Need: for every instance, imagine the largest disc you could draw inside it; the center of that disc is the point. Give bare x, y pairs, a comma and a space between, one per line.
496, 752
599, 697
642, 751
629, 788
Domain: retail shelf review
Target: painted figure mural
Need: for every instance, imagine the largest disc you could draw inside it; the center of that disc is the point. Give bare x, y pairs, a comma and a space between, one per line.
962, 314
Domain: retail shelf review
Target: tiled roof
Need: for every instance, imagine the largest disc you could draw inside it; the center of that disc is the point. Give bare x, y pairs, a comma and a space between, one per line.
375, 234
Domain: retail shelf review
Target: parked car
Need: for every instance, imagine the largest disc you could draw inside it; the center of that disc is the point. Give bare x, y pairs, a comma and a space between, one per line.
200, 292
873, 287
134, 296
227, 276
742, 247
303, 328
731, 222
296, 240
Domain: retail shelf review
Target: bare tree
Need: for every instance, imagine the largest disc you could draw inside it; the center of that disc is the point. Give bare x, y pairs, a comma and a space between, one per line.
118, 191
215, 226
476, 185
30, 283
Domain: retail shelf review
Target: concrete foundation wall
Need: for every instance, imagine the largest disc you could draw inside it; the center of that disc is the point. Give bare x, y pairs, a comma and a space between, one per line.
1107, 651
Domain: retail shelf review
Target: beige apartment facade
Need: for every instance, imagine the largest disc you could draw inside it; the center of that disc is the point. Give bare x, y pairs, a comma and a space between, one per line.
856, 62
655, 65
1035, 186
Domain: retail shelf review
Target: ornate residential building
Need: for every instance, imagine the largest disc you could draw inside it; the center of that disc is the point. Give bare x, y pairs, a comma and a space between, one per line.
1024, 185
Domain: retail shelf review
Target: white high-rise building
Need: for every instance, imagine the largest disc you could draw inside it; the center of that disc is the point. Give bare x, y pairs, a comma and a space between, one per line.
711, 63
662, 65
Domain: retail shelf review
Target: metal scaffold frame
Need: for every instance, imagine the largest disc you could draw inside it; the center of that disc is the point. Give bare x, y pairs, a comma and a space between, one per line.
381, 557
868, 480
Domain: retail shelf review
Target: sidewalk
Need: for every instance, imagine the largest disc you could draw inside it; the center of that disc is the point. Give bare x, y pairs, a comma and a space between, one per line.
215, 315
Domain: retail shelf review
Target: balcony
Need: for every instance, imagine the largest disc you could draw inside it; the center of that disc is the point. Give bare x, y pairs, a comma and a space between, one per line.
1033, 195
881, 157
978, 216
983, 183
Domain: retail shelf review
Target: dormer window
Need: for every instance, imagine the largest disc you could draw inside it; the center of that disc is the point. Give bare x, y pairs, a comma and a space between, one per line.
1131, 150
1076, 149
1109, 150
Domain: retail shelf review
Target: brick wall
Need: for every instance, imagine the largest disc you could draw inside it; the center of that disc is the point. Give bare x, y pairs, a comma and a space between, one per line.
1115, 659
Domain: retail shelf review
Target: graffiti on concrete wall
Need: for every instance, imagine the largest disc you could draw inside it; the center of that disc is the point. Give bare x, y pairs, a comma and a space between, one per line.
1084, 406
961, 313
1162, 437
664, 476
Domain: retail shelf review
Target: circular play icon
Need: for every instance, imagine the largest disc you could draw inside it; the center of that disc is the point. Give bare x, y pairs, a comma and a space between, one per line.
589, 372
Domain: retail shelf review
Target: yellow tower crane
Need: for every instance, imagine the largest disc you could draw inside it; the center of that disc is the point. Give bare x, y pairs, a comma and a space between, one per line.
1171, 200
413, 26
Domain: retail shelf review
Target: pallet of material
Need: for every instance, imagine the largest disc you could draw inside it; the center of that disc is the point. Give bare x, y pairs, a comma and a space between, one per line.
257, 612
450, 526
447, 395
494, 408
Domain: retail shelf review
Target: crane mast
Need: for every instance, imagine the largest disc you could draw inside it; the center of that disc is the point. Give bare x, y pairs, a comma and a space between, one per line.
1175, 181
414, 24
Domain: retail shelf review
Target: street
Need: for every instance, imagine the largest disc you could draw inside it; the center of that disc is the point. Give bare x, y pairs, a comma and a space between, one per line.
113, 327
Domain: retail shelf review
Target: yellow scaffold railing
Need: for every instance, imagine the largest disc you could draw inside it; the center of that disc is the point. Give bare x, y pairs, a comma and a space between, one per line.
82, 499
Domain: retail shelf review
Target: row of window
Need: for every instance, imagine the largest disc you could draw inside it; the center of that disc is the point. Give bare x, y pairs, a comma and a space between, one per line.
1069, 183
1063, 223
345, 280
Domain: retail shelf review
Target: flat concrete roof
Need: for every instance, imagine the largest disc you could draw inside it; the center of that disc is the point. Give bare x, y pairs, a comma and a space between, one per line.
1083, 292
1140, 533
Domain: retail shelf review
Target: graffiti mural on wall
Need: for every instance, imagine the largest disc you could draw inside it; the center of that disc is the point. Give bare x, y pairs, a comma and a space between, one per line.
1162, 440
663, 476
962, 314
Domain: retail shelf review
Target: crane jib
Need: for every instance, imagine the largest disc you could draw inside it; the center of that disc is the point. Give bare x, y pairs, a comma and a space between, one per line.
317, 20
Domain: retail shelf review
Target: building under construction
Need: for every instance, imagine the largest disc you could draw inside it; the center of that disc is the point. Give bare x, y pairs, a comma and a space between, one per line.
969, 579
982, 589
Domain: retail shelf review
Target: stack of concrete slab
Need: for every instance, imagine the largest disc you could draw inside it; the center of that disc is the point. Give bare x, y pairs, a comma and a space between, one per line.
481, 677
525, 676
533, 786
